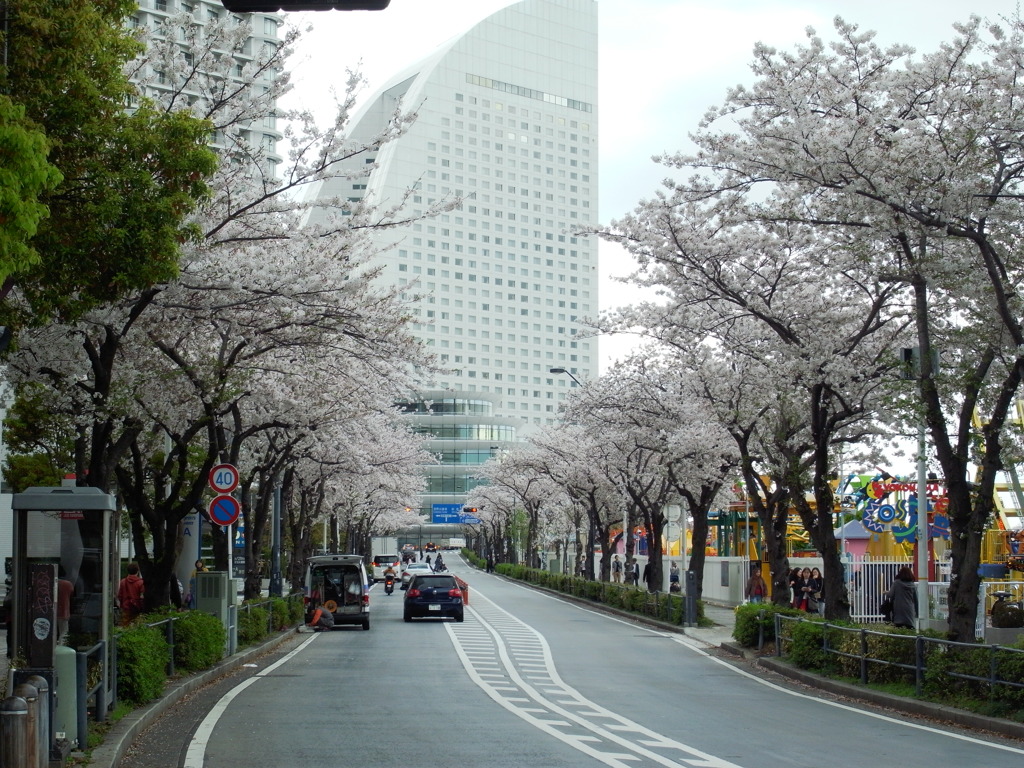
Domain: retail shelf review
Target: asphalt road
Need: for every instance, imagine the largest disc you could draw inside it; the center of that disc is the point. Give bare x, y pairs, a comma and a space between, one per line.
530, 680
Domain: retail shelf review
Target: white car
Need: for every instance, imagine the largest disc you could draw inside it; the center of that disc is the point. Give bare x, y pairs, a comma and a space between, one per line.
414, 569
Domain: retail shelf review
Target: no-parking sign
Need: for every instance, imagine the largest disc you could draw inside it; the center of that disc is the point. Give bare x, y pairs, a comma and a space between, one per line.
224, 510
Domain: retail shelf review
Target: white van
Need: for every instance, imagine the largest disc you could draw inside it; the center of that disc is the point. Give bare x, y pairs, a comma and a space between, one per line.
381, 563
339, 583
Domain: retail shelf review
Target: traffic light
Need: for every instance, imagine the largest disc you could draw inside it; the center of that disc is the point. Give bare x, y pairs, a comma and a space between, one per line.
469, 511
272, 6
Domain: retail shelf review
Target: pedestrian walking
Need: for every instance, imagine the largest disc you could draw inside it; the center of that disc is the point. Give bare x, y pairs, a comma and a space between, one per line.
673, 578
794, 587
803, 590
616, 569
65, 591
634, 572
756, 589
130, 594
647, 577
816, 598
903, 596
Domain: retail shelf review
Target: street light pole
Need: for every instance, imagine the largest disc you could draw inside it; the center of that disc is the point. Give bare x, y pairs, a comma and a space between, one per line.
568, 373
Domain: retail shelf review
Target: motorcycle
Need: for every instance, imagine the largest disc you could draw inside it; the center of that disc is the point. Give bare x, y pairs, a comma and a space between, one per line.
389, 584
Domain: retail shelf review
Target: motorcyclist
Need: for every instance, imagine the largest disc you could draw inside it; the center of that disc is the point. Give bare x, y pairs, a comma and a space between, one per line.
389, 579
439, 565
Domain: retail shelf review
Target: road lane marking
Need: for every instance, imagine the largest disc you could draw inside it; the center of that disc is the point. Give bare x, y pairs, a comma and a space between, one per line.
196, 753
701, 648
563, 707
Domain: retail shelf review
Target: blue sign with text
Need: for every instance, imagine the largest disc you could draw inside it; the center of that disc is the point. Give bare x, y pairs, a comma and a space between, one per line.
446, 513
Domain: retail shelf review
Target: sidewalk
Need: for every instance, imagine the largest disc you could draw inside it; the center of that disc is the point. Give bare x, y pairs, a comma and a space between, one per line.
725, 622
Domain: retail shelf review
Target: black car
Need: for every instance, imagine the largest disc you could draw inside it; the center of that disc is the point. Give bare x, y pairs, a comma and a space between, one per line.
433, 595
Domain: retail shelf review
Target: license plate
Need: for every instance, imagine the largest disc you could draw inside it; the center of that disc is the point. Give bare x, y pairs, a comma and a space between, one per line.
434, 607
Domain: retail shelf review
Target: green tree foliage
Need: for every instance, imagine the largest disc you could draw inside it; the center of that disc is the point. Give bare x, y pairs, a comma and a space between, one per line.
131, 173
25, 174
39, 439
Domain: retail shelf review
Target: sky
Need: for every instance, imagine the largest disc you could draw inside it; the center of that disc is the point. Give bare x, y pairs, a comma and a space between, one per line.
662, 64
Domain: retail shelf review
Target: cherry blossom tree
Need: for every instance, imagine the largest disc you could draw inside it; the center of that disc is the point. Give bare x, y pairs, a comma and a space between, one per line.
919, 156
272, 327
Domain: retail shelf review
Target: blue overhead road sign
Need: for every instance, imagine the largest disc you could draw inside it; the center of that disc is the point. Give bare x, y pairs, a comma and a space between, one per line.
446, 513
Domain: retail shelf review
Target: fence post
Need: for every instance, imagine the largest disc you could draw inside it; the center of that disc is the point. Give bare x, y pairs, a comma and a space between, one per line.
864, 657
778, 635
81, 683
170, 646
919, 665
110, 674
691, 598
760, 629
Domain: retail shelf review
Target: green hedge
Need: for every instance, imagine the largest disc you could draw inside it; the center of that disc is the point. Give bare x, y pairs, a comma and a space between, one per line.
252, 624
198, 641
142, 656
752, 618
662, 606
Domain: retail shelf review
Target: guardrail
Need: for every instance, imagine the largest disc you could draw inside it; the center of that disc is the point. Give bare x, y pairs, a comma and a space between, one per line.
105, 689
923, 646
168, 625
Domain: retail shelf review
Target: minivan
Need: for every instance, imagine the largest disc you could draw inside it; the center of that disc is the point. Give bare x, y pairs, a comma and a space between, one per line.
339, 583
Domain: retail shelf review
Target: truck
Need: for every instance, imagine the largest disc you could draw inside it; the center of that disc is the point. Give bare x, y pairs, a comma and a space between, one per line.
385, 553
456, 542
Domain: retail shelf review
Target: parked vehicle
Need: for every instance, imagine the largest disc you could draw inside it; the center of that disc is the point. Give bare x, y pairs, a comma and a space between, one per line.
434, 595
340, 584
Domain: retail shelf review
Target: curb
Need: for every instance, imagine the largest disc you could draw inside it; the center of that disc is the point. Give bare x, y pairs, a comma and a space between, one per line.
121, 735
899, 703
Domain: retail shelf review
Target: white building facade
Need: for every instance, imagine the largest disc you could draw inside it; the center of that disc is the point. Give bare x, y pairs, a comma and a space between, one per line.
507, 123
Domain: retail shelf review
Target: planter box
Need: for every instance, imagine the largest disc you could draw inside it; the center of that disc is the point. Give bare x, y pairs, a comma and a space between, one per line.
1003, 635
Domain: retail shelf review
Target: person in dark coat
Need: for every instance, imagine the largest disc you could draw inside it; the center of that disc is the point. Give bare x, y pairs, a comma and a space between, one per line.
647, 576
794, 587
903, 594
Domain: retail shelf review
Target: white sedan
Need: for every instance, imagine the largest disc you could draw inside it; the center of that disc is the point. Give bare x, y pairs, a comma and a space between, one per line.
414, 569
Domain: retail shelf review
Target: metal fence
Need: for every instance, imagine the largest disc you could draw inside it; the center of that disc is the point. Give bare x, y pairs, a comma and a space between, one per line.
914, 656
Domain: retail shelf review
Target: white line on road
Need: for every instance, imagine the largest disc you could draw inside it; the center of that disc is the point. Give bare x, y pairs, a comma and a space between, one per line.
615, 731
698, 647
196, 753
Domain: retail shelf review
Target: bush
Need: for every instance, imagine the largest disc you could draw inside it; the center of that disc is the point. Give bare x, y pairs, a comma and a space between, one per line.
142, 656
753, 618
805, 645
473, 558
285, 613
252, 624
198, 641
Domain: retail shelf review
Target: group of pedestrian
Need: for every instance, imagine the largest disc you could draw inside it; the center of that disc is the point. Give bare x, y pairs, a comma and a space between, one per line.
806, 586
628, 571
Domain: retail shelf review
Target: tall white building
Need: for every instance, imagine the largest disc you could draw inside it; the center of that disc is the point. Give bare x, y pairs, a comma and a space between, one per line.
151, 15
508, 123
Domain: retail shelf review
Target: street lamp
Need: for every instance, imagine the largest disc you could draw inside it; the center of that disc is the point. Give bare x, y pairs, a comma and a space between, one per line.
567, 372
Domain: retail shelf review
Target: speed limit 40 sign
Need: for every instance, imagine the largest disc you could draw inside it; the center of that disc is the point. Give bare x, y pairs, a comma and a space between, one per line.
224, 478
